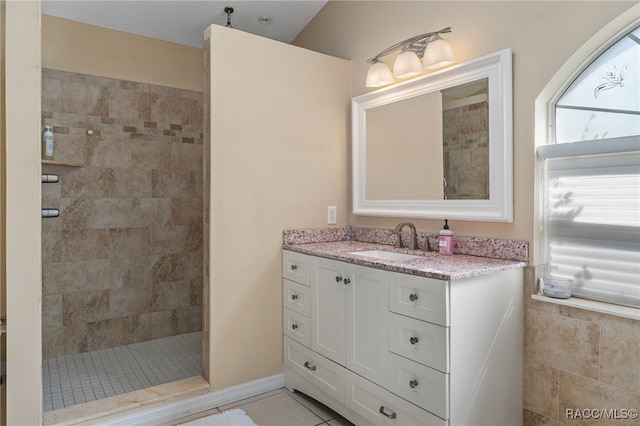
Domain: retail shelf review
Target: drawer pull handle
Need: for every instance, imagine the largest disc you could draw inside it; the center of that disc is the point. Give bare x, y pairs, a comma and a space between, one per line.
391, 415
338, 278
294, 326
346, 281
294, 267
414, 340
294, 296
413, 297
309, 366
413, 384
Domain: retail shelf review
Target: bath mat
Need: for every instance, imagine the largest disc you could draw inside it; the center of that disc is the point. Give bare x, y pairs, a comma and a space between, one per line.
235, 417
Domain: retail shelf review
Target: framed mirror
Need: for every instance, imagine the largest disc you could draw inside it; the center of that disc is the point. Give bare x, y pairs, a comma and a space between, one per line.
438, 146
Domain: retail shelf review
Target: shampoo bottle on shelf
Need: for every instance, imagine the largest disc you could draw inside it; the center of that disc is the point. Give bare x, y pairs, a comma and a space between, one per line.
445, 239
47, 143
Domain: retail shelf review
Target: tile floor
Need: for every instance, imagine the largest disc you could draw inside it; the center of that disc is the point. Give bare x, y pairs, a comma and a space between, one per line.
74, 379
280, 408
78, 378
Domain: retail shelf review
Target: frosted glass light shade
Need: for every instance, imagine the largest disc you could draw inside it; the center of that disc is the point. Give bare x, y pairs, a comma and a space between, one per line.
407, 64
439, 53
379, 75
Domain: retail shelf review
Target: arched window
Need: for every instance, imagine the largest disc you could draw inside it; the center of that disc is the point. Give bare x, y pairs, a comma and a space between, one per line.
591, 176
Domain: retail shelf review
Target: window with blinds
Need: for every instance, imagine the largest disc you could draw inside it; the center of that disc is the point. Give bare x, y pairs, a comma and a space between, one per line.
592, 224
592, 178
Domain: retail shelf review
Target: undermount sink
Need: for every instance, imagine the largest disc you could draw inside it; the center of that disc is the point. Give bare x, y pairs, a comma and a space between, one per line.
386, 255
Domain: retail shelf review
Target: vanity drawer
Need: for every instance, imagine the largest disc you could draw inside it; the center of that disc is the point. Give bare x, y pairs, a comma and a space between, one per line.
420, 341
324, 374
423, 298
296, 326
418, 384
296, 296
381, 407
295, 267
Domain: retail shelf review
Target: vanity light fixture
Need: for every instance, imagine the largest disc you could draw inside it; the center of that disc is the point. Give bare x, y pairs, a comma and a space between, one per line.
425, 51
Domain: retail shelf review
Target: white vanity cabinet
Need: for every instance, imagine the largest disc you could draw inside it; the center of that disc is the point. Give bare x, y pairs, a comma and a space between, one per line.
389, 348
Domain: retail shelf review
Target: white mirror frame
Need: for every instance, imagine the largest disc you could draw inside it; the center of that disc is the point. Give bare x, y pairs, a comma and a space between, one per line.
499, 207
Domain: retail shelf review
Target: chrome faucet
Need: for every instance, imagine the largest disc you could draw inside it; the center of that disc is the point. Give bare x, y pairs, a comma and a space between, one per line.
427, 244
412, 241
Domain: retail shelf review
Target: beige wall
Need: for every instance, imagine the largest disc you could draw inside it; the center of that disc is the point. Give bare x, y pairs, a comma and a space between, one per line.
279, 152
22, 233
542, 35
88, 49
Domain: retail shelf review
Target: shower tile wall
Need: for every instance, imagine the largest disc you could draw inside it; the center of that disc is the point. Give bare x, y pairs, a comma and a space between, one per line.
466, 144
123, 262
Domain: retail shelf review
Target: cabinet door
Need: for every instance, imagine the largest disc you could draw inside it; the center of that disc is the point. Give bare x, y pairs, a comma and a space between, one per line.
366, 317
328, 308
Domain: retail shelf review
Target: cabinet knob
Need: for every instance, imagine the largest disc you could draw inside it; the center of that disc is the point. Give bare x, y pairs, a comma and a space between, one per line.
389, 415
413, 384
346, 281
413, 297
338, 278
294, 326
294, 296
309, 366
414, 340
294, 267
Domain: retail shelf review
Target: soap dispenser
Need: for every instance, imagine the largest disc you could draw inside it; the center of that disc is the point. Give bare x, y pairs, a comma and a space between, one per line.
445, 239
47, 143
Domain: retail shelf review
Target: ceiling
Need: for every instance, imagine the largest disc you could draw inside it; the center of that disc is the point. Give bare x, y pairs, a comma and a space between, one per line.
184, 21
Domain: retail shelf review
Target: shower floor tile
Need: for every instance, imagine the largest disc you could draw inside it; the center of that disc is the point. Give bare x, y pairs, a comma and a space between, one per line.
78, 378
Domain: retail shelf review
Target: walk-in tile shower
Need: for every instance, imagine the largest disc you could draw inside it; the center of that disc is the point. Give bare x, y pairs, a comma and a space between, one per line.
122, 263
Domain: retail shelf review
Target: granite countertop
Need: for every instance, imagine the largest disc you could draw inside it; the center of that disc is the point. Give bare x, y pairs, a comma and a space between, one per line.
431, 264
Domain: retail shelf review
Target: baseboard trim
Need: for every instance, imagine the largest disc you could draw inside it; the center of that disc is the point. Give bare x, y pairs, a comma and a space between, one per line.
174, 410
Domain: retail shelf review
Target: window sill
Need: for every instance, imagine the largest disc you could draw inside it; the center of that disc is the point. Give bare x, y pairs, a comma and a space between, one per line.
592, 305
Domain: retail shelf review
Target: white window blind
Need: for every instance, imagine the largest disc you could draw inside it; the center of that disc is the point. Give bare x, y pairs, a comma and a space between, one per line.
593, 218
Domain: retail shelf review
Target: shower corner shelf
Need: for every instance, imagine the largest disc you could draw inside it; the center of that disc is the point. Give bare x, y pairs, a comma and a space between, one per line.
62, 163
